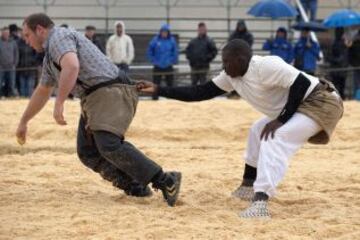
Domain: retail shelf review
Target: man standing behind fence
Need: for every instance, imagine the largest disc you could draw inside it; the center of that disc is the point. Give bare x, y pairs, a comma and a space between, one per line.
27, 68
306, 53
90, 33
200, 52
120, 47
163, 54
9, 57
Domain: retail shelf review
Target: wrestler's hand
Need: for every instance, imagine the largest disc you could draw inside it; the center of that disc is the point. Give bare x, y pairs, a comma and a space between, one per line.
21, 133
270, 129
146, 87
59, 113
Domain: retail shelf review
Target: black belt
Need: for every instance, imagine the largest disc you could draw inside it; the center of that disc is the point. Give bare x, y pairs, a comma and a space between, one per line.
92, 89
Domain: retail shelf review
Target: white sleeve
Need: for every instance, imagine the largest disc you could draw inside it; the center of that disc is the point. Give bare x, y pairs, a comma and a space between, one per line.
223, 81
131, 50
109, 48
274, 71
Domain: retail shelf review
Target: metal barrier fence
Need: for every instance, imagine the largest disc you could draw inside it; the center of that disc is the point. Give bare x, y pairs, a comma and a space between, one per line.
182, 74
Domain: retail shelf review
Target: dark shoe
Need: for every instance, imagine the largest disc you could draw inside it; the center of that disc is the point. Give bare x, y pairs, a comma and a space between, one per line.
137, 190
169, 184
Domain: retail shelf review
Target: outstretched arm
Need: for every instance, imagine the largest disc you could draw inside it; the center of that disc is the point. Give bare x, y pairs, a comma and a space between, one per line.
38, 100
189, 93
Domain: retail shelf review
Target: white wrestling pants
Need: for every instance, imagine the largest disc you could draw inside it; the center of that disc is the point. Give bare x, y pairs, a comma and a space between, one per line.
271, 157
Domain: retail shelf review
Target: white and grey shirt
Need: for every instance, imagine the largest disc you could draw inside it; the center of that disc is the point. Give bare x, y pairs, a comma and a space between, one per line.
95, 67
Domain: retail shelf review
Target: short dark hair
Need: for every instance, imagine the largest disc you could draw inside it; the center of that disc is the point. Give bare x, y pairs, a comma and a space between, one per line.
5, 28
90, 28
239, 48
13, 28
35, 19
201, 24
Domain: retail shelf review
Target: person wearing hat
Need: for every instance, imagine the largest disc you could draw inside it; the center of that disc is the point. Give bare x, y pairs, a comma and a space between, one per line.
280, 46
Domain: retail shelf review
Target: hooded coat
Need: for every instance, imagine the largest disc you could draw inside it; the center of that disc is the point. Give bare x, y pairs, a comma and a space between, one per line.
163, 52
308, 55
280, 47
120, 49
244, 35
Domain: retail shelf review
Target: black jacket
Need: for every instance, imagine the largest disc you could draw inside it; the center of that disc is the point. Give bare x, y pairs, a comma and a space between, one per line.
354, 51
339, 55
201, 51
244, 35
28, 58
97, 43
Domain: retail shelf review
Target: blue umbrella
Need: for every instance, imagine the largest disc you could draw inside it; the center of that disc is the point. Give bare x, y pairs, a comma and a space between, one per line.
273, 9
342, 18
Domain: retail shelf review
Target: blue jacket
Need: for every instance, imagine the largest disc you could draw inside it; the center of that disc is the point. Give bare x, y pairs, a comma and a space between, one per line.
309, 55
280, 47
163, 52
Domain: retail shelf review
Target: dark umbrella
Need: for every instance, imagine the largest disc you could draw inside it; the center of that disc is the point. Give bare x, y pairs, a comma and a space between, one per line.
310, 26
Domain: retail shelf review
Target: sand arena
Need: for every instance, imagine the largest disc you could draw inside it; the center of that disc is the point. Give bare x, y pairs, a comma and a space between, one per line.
46, 193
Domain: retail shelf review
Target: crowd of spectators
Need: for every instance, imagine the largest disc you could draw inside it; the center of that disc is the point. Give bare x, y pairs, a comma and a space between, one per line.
20, 64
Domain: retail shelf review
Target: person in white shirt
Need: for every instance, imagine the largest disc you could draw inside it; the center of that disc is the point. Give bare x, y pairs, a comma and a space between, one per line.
120, 47
297, 108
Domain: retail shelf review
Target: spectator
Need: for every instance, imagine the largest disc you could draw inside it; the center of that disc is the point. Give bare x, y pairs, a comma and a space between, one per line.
9, 57
15, 35
163, 54
90, 34
310, 7
28, 62
280, 46
200, 52
241, 32
306, 53
354, 59
120, 48
14, 32
339, 59
64, 25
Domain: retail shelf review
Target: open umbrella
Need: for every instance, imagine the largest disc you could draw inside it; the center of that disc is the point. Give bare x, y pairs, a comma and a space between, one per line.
311, 26
342, 18
273, 9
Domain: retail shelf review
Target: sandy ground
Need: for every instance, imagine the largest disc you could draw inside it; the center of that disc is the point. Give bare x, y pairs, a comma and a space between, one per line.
46, 193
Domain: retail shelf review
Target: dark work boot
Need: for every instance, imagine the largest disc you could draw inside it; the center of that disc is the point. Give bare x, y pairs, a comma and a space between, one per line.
131, 188
169, 184
137, 190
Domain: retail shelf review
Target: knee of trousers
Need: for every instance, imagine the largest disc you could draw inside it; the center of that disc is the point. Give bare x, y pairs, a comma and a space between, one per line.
89, 158
258, 126
99, 165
